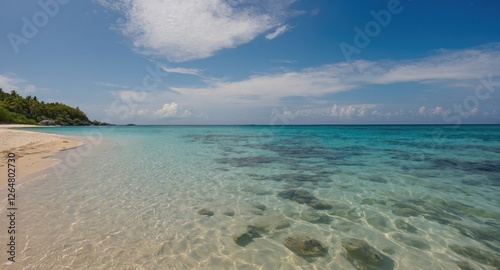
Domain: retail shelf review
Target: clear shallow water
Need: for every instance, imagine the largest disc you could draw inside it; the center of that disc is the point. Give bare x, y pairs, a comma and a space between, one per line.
427, 197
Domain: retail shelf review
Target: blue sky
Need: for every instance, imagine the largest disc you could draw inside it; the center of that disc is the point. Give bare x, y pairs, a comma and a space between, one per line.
258, 61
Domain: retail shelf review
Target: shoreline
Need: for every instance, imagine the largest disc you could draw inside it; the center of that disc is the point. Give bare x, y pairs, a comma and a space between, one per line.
34, 150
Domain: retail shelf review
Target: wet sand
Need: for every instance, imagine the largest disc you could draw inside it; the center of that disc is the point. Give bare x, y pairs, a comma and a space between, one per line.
33, 150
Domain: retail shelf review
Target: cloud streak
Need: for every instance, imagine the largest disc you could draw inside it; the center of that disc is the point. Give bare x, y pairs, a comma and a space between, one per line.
305, 90
279, 31
179, 70
445, 67
183, 30
107, 84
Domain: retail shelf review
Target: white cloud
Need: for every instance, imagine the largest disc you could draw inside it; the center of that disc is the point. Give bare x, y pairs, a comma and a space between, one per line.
308, 88
171, 110
186, 113
475, 111
349, 111
168, 110
9, 82
280, 30
315, 11
107, 84
447, 67
142, 112
283, 61
180, 70
422, 110
437, 111
129, 96
182, 30
289, 114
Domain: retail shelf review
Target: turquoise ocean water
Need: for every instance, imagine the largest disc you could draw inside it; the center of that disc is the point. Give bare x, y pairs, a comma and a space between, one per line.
228, 197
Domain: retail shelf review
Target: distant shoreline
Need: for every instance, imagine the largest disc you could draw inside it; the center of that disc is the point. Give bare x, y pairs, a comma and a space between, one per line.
250, 125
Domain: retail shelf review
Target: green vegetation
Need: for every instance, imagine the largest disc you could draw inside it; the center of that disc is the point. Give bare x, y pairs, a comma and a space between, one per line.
28, 110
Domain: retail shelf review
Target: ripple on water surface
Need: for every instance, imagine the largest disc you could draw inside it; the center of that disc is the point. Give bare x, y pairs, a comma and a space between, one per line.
268, 198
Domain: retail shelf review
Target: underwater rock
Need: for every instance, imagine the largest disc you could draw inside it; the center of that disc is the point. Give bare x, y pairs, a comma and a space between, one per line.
370, 201
244, 237
258, 205
304, 197
305, 246
258, 190
312, 216
247, 209
352, 214
477, 254
377, 221
257, 212
463, 265
374, 178
300, 177
405, 212
437, 219
342, 225
252, 161
435, 208
477, 233
412, 242
205, 212
404, 226
228, 213
365, 257
320, 205
297, 195
430, 211
269, 224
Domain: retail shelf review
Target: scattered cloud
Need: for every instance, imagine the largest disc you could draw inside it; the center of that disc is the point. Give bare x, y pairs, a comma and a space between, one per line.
183, 30
9, 82
142, 112
290, 114
128, 96
309, 90
189, 71
446, 67
279, 31
283, 61
107, 84
168, 110
437, 111
349, 111
422, 110
171, 110
475, 111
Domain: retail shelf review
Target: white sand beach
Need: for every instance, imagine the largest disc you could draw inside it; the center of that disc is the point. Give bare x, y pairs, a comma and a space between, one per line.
32, 149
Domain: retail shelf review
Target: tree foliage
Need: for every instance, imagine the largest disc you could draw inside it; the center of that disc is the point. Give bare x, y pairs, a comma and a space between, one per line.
28, 110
